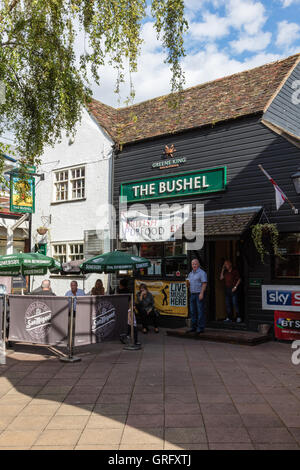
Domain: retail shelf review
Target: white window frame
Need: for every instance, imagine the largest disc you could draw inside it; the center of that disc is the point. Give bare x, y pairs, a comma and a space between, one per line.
59, 255
77, 254
70, 181
70, 256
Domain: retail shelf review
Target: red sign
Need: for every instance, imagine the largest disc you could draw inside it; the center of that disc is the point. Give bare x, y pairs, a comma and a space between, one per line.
287, 325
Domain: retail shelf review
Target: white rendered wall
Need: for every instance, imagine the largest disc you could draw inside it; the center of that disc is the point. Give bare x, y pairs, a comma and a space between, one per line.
92, 148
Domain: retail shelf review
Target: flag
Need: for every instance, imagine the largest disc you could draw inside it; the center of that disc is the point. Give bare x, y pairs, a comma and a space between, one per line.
280, 197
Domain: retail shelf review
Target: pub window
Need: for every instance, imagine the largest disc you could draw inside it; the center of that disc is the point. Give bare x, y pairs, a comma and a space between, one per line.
288, 265
76, 251
60, 252
69, 184
167, 259
151, 250
61, 185
176, 266
78, 183
68, 251
18, 247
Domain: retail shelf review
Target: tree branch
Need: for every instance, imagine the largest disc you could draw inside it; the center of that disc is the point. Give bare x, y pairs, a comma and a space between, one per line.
11, 7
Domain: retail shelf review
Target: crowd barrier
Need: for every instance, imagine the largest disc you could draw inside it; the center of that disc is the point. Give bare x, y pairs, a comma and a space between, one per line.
62, 321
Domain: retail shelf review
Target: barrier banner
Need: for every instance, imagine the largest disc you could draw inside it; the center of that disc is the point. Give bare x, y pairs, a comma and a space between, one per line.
170, 297
1, 319
1, 314
100, 318
287, 325
39, 319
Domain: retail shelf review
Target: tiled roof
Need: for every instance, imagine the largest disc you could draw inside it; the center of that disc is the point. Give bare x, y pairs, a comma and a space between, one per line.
227, 98
227, 224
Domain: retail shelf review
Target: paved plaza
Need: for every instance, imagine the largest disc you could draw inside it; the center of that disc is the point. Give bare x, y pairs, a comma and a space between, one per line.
173, 394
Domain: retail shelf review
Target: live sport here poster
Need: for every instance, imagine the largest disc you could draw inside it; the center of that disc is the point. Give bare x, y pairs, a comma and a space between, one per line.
170, 297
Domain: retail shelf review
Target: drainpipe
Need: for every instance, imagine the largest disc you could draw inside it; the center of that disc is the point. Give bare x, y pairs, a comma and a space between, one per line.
110, 202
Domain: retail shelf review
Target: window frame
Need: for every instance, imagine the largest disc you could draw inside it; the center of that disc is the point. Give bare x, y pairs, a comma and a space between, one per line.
275, 276
70, 182
163, 258
68, 254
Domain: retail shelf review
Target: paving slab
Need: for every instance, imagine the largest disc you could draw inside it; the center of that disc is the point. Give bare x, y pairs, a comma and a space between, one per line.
173, 394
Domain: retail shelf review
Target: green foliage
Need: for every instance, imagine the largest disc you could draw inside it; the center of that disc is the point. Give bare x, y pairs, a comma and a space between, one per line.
264, 235
44, 86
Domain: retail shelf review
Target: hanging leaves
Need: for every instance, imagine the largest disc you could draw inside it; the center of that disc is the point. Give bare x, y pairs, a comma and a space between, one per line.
45, 87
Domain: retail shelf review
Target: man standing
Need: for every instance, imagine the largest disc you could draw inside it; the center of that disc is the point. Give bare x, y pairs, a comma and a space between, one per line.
232, 280
197, 279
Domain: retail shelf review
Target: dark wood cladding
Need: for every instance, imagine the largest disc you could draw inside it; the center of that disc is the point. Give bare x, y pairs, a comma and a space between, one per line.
284, 111
240, 145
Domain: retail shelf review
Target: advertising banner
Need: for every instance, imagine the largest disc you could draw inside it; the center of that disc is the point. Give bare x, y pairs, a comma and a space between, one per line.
170, 297
137, 226
287, 325
100, 318
278, 297
39, 319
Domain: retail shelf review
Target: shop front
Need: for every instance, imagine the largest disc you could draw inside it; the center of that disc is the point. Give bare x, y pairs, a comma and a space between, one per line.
232, 196
206, 156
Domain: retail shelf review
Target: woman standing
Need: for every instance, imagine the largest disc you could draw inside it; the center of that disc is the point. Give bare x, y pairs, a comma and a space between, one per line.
145, 307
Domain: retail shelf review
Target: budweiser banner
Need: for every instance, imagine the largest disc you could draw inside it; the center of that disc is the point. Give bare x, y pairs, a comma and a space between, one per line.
39, 319
100, 318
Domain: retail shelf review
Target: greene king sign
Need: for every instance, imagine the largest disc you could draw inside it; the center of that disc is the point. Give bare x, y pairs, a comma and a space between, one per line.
183, 184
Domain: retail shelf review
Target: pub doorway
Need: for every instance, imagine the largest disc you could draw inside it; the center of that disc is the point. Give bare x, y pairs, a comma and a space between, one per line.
219, 251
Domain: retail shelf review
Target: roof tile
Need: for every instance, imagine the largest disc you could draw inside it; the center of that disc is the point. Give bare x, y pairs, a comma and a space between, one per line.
226, 98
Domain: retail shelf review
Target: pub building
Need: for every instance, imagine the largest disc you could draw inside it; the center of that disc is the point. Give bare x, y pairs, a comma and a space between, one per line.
207, 151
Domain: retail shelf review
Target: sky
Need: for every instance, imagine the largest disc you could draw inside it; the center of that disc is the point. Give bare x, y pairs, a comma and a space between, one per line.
224, 37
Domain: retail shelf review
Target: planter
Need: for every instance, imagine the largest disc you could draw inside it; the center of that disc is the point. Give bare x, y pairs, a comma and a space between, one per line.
265, 238
42, 230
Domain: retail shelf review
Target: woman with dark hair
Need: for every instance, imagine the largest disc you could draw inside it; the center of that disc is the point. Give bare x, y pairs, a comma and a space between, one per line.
145, 307
98, 288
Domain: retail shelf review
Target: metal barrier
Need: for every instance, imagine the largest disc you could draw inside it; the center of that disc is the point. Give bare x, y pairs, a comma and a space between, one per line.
3, 315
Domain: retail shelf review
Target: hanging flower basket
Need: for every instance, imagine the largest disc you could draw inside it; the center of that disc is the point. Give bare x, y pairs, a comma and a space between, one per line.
265, 238
42, 230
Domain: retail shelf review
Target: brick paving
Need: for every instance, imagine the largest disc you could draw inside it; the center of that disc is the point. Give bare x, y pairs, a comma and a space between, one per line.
174, 393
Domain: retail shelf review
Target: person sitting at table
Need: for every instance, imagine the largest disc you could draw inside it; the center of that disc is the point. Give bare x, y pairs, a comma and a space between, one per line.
44, 289
98, 288
74, 291
123, 287
145, 307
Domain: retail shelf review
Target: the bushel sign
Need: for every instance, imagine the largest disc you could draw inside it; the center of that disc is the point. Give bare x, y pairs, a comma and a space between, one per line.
183, 184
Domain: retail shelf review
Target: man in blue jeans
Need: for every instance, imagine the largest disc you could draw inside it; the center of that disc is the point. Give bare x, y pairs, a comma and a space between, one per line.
197, 279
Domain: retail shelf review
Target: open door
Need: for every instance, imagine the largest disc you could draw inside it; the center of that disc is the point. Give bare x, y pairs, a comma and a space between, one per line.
223, 249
